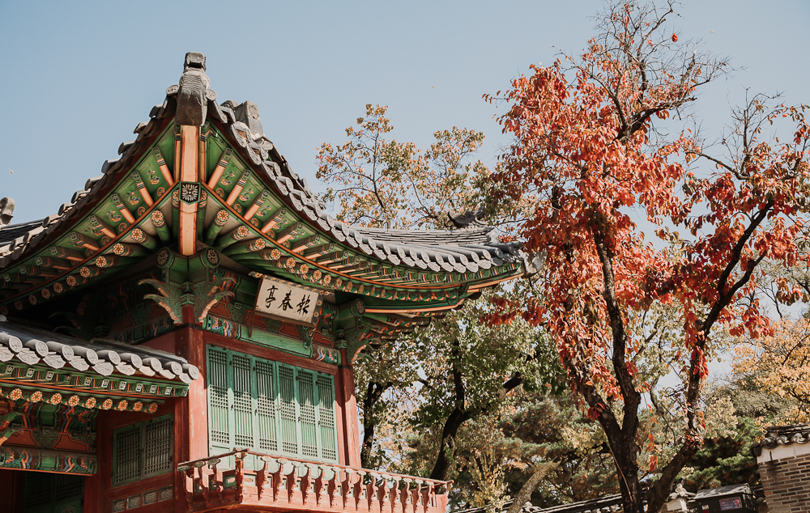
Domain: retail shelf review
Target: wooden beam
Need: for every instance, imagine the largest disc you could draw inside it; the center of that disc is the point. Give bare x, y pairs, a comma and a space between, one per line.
164, 169
257, 205
100, 226
122, 208
160, 225
189, 172
136, 177
274, 220
216, 226
217, 174
240, 184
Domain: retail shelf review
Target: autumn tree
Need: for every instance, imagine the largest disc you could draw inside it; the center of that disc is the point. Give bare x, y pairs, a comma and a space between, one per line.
779, 364
592, 152
393, 367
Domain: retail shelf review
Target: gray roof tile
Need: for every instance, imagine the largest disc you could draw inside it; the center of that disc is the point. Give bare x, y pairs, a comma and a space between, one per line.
103, 356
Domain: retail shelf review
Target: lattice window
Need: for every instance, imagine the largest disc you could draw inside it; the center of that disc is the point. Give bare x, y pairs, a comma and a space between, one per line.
326, 417
242, 401
218, 386
270, 407
142, 450
37, 489
158, 435
289, 418
49, 493
266, 406
306, 403
67, 486
127, 454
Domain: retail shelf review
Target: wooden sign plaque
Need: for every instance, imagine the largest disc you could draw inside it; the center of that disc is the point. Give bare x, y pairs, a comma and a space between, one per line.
286, 301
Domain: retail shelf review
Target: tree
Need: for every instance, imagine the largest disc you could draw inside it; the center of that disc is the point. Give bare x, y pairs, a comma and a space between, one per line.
458, 367
393, 367
546, 426
469, 366
779, 364
387, 184
590, 147
726, 459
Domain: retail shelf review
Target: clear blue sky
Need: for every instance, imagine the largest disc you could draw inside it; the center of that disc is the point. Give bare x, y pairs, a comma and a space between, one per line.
78, 76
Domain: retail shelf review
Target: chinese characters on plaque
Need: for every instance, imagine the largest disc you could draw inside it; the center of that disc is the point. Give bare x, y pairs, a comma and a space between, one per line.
283, 300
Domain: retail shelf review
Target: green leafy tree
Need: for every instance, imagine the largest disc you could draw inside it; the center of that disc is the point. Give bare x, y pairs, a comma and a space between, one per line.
458, 367
386, 184
549, 427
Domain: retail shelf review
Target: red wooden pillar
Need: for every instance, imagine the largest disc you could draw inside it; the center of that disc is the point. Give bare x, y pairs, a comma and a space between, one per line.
351, 432
191, 414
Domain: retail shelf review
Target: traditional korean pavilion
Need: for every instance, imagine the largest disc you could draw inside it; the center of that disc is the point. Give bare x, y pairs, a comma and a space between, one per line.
180, 335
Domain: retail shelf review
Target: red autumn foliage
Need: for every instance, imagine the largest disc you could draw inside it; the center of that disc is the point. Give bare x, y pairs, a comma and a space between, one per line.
587, 154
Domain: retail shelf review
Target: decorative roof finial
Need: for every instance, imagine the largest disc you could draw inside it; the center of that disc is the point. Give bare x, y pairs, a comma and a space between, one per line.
194, 61
468, 219
6, 211
193, 94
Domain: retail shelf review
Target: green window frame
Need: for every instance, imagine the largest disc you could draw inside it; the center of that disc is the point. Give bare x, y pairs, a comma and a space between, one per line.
144, 449
270, 407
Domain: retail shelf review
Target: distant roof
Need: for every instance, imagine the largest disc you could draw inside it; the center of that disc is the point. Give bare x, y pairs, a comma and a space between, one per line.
42, 366
724, 490
783, 435
606, 504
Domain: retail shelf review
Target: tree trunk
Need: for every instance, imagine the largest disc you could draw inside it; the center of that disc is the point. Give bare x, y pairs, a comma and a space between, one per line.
374, 392
529, 486
629, 485
459, 415
441, 469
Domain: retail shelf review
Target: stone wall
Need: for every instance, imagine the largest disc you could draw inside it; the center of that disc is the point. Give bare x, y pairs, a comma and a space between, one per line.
786, 478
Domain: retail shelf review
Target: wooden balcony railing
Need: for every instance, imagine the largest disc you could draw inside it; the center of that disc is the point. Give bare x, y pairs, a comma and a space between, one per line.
287, 484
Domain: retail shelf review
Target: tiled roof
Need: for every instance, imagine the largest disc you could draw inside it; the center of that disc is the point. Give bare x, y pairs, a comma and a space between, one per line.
606, 504
460, 250
783, 435
723, 491
33, 346
13, 231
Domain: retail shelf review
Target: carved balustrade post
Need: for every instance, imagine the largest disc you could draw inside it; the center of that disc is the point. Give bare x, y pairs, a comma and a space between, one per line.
188, 484
239, 468
277, 478
393, 503
265, 478
346, 490
332, 487
427, 494
320, 484
417, 495
404, 495
218, 479
290, 476
305, 480
359, 491
376, 493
